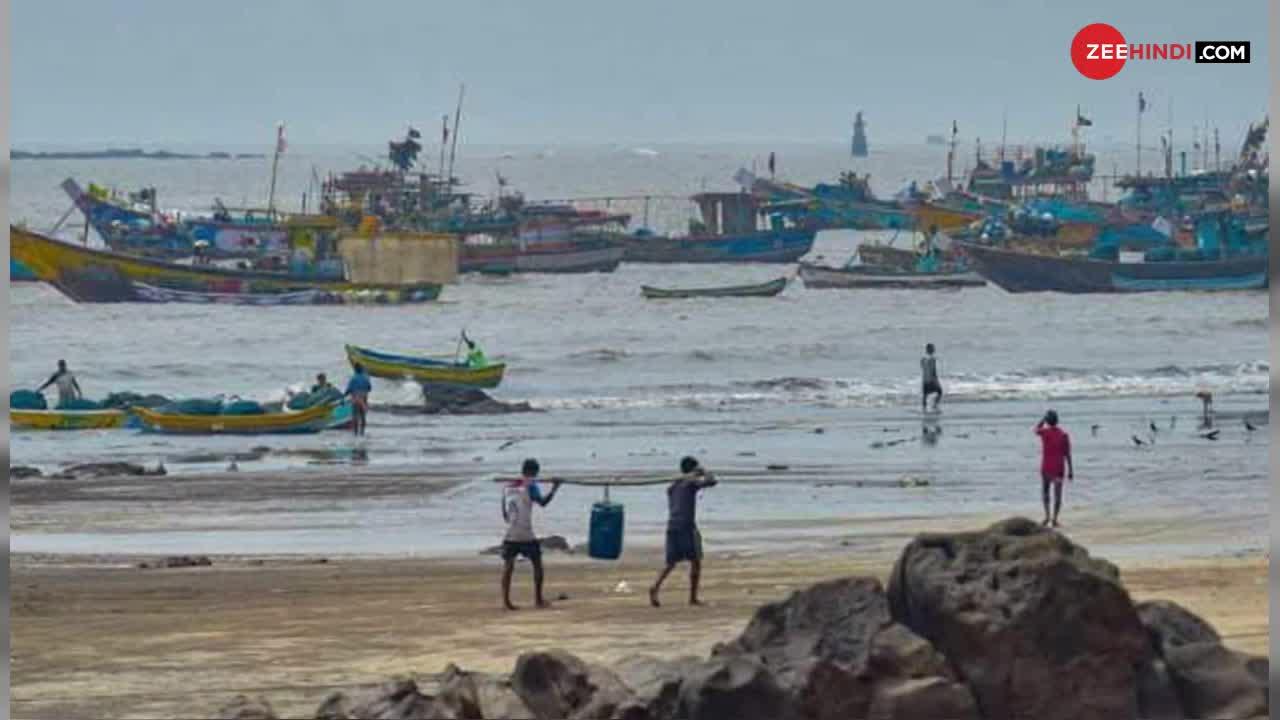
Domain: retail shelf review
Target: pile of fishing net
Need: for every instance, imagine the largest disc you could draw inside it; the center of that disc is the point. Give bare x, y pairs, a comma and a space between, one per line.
79, 404
193, 406
27, 400
127, 399
243, 407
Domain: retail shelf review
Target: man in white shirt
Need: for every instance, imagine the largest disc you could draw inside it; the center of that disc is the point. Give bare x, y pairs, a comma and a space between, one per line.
68, 388
518, 498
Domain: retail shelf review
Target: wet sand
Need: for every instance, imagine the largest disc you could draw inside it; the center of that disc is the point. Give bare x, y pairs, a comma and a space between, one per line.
98, 637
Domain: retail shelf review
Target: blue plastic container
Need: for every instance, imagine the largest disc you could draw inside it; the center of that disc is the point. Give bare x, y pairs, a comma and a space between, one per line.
604, 540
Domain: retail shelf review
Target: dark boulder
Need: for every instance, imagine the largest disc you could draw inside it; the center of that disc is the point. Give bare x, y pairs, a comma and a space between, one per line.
1213, 681
452, 400
477, 696
898, 652
1033, 624
1157, 697
555, 684
1170, 625
656, 682
398, 699
245, 708
817, 643
924, 697
733, 686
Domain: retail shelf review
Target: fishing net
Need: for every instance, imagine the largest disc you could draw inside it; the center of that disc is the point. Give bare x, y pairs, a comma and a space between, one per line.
27, 400
243, 407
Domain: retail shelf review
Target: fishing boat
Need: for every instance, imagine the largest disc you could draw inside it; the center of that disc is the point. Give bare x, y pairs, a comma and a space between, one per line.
1020, 271
312, 419
729, 230
582, 254
425, 370
865, 276
67, 419
89, 275
767, 289
151, 293
19, 272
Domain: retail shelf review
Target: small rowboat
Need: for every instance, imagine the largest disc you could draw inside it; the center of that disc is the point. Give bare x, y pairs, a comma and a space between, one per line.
313, 419
769, 289
425, 370
824, 277
67, 419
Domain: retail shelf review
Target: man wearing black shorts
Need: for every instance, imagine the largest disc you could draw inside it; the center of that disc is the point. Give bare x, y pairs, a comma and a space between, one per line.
929, 379
683, 540
518, 498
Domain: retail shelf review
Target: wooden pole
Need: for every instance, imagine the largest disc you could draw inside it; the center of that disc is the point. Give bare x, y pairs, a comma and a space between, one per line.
275, 164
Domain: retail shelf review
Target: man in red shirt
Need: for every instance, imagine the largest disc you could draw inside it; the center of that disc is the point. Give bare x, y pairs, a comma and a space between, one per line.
1055, 459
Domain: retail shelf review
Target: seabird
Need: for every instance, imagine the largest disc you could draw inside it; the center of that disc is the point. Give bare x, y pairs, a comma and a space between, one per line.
1212, 435
1138, 441
1248, 425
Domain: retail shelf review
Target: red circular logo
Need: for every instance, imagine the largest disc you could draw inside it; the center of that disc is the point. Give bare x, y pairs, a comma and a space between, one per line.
1098, 51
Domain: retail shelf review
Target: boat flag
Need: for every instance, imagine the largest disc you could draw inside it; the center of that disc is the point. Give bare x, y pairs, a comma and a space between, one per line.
1081, 120
413, 133
955, 129
444, 129
280, 141
1142, 103
772, 163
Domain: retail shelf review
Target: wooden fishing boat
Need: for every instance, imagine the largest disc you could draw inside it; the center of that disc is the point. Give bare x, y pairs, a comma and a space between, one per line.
1017, 272
768, 289
151, 293
67, 419
425, 370
19, 272
928, 214
785, 245
571, 255
860, 276
88, 275
313, 419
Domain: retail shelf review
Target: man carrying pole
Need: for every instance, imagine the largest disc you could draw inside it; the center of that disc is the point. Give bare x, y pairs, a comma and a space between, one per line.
683, 540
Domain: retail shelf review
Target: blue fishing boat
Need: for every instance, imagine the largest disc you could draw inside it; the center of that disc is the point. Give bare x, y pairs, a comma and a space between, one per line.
728, 231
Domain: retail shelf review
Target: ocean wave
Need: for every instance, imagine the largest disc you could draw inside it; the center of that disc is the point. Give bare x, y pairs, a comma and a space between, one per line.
1037, 383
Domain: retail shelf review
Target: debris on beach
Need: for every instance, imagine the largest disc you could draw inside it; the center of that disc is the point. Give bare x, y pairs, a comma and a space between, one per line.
972, 626
107, 469
177, 561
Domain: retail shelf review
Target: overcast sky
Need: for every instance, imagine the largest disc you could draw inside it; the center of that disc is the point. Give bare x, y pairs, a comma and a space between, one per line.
552, 71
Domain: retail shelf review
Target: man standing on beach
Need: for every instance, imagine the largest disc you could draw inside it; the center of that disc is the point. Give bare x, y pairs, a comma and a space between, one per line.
68, 388
1055, 459
929, 379
518, 498
683, 540
358, 389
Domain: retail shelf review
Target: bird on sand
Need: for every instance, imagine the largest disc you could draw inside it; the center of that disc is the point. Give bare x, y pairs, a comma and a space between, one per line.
1153, 427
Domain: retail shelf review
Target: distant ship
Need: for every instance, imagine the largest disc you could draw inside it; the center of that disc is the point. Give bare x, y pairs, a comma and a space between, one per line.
859, 148
935, 140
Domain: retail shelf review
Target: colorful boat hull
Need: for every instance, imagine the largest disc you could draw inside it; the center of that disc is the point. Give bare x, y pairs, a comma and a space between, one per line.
929, 215
20, 273
425, 370
1019, 272
67, 419
821, 277
573, 256
313, 419
88, 275
766, 246
769, 289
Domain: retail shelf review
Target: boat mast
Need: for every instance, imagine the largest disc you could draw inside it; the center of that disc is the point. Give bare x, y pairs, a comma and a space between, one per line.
444, 140
275, 164
951, 151
1004, 130
457, 119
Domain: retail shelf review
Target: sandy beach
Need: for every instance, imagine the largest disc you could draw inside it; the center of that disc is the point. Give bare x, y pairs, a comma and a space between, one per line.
98, 637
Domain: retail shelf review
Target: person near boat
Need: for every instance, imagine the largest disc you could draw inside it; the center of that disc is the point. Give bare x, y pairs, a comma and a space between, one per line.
68, 389
930, 384
358, 389
683, 539
1055, 462
475, 356
322, 383
518, 499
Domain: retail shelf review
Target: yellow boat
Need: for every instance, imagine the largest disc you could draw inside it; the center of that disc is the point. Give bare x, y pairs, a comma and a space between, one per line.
66, 419
930, 215
425, 370
313, 419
